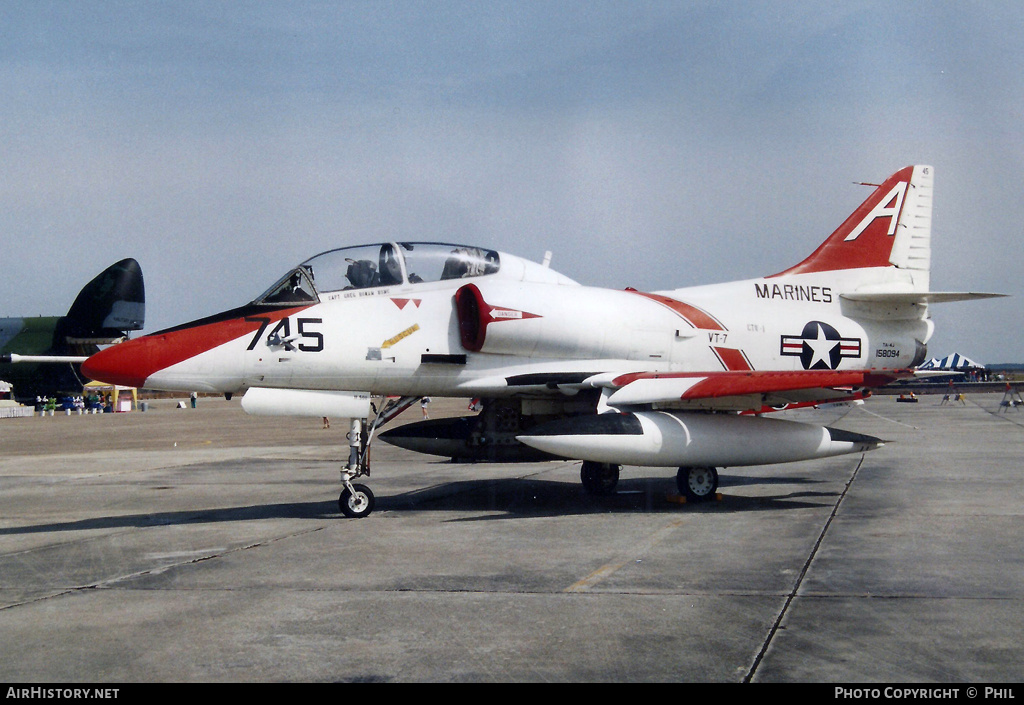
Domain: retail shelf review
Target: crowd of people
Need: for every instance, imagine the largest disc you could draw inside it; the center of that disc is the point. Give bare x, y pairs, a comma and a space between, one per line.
77, 402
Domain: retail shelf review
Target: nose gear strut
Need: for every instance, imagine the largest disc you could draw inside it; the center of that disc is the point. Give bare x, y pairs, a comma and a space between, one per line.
357, 500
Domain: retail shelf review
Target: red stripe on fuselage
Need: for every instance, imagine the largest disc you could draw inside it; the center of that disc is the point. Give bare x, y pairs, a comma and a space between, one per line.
732, 360
691, 314
132, 362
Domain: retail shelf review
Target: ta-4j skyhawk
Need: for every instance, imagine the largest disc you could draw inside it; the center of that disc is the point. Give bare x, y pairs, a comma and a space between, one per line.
685, 378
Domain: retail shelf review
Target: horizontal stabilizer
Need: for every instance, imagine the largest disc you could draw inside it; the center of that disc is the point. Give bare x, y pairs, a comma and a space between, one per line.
916, 297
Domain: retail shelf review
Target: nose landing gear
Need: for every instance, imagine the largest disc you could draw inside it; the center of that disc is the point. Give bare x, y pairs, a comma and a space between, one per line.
356, 500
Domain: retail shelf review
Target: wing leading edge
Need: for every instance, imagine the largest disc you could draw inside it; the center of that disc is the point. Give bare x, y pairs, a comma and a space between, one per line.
746, 390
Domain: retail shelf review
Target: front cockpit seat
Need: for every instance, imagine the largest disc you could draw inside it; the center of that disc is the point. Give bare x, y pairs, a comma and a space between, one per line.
362, 273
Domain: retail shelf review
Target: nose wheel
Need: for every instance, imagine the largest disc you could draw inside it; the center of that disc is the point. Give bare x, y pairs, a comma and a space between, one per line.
356, 501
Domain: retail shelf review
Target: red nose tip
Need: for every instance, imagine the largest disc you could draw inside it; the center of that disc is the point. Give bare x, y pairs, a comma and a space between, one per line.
133, 362
128, 363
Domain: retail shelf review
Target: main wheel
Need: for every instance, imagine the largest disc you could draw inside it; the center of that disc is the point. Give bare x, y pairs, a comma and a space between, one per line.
697, 484
599, 478
356, 504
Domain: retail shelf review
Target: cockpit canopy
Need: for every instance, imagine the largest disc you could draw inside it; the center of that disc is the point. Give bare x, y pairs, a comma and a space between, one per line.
387, 264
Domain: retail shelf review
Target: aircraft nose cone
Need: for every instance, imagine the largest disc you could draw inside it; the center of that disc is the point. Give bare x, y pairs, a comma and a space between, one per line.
125, 364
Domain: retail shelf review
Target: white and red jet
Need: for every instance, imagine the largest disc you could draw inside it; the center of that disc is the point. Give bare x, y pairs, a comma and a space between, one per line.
680, 378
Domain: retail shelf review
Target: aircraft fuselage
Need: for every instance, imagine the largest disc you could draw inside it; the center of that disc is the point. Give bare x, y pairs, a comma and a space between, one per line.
497, 336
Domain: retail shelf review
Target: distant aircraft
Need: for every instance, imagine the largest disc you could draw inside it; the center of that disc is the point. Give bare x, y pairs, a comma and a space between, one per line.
683, 378
40, 356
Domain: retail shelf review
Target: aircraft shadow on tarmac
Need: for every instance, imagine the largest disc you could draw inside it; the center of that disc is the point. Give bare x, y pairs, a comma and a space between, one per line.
509, 498
294, 510
519, 498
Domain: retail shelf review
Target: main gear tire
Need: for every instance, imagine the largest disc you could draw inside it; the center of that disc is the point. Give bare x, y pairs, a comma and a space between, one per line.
697, 484
599, 479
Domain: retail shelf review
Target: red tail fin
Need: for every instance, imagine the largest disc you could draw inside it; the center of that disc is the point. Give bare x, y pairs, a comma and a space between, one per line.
869, 237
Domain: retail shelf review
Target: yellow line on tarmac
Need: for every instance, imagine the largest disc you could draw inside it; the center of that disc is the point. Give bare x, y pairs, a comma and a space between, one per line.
608, 569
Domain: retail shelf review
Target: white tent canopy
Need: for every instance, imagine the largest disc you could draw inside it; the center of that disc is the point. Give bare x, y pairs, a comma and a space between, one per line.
955, 361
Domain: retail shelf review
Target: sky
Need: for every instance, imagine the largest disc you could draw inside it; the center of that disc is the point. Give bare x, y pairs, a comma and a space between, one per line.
646, 144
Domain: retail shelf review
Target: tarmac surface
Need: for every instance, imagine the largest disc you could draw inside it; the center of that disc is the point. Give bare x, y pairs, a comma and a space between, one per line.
205, 545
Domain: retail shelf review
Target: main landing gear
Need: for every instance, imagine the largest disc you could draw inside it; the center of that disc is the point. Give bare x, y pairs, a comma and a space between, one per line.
696, 484
599, 479
356, 500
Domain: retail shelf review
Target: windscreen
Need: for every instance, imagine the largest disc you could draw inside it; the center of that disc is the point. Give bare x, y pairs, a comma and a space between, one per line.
294, 288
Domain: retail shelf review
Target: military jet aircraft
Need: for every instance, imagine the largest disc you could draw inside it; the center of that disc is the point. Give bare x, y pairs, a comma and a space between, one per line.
685, 378
40, 356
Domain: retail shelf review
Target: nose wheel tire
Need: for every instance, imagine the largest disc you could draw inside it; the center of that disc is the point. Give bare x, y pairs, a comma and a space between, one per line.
697, 484
356, 502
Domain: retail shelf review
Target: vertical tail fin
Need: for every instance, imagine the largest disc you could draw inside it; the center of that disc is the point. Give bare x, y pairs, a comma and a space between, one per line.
113, 302
892, 228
